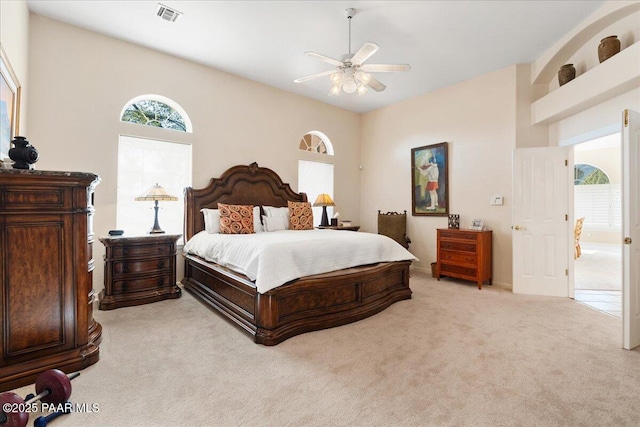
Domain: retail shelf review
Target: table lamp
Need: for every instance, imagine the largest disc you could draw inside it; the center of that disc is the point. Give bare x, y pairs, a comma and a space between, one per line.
324, 200
156, 193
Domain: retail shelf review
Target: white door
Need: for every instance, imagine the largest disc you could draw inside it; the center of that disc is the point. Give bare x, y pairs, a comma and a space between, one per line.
631, 230
540, 235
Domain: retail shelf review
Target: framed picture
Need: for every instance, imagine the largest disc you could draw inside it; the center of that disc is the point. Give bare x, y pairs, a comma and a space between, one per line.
429, 180
9, 105
477, 224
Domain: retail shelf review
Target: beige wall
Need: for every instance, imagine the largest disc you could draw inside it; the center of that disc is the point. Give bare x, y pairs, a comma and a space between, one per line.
14, 38
478, 120
80, 81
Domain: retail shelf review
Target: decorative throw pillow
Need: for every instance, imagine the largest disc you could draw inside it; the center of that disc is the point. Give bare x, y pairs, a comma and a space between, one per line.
300, 215
211, 220
236, 219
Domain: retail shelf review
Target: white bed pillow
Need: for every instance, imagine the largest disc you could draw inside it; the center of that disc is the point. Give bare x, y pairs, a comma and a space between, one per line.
274, 211
257, 225
275, 223
211, 220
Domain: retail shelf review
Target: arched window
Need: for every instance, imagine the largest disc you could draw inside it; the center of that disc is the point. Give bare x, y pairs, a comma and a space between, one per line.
144, 162
316, 142
156, 111
597, 199
316, 178
584, 174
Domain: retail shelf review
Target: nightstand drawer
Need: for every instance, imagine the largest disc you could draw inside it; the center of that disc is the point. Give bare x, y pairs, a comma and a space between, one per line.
142, 251
459, 246
152, 266
124, 286
459, 258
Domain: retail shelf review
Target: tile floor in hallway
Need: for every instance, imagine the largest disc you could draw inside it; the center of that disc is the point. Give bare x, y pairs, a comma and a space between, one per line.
598, 277
608, 301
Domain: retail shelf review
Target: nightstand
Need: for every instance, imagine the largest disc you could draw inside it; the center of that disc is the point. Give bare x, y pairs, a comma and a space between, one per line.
139, 270
340, 227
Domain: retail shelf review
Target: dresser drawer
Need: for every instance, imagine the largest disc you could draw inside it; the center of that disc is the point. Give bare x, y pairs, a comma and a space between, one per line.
142, 251
458, 270
152, 266
452, 257
458, 246
37, 198
459, 235
124, 286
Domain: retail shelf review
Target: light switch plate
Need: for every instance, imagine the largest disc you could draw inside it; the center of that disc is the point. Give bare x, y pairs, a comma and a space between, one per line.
497, 200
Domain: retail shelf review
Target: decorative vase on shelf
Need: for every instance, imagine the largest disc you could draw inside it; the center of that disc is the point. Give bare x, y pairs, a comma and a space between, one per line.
23, 154
566, 74
608, 47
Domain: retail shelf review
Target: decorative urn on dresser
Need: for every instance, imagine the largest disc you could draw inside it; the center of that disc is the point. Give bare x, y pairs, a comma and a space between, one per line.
46, 247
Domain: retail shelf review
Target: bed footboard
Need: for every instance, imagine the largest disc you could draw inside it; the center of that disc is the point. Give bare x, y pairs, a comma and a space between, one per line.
303, 305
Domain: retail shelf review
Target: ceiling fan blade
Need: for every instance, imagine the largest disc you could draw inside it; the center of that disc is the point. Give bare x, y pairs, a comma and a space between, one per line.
314, 76
325, 59
364, 53
384, 68
376, 85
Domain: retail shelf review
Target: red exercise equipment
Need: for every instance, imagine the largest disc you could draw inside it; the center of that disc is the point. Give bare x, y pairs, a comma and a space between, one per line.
52, 386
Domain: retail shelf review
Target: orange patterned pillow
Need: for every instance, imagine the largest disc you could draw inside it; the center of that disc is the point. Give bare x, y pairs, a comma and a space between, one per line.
236, 219
300, 215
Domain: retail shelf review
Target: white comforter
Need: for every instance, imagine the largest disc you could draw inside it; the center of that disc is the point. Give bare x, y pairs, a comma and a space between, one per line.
274, 258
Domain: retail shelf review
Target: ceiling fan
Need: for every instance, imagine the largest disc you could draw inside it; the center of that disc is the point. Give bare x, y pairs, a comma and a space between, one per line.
352, 74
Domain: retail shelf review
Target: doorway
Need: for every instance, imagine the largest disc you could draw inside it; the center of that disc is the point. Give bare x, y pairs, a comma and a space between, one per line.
598, 199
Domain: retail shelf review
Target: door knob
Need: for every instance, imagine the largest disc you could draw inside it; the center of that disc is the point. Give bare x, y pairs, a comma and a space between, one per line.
518, 228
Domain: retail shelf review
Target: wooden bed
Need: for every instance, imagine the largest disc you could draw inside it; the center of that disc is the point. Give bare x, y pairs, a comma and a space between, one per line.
302, 305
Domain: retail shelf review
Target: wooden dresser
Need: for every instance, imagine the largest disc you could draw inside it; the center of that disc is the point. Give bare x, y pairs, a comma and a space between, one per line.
139, 270
46, 302
464, 254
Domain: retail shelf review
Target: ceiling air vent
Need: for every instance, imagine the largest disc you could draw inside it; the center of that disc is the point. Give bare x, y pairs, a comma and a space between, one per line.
166, 13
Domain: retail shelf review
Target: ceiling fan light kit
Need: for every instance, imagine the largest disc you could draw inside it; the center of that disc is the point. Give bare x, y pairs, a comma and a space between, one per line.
351, 74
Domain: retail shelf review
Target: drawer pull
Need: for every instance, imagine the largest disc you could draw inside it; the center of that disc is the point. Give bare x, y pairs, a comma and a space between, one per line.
125, 285
125, 251
161, 264
125, 268
160, 281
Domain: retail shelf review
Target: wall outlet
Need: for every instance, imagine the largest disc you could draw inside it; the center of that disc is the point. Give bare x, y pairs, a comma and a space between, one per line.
497, 200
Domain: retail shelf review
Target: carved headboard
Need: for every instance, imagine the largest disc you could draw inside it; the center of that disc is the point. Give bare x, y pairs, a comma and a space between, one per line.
238, 185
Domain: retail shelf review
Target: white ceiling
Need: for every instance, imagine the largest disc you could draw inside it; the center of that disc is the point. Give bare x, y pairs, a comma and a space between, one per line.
445, 42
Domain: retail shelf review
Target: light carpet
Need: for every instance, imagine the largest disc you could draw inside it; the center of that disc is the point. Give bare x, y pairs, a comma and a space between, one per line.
451, 356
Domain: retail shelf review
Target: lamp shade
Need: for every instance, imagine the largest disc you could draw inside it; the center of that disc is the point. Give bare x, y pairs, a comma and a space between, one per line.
154, 193
323, 200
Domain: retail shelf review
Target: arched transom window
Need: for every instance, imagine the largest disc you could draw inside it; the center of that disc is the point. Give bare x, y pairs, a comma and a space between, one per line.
316, 142
156, 111
584, 174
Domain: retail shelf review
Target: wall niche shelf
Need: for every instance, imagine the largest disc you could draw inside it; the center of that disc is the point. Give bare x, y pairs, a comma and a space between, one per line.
616, 76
